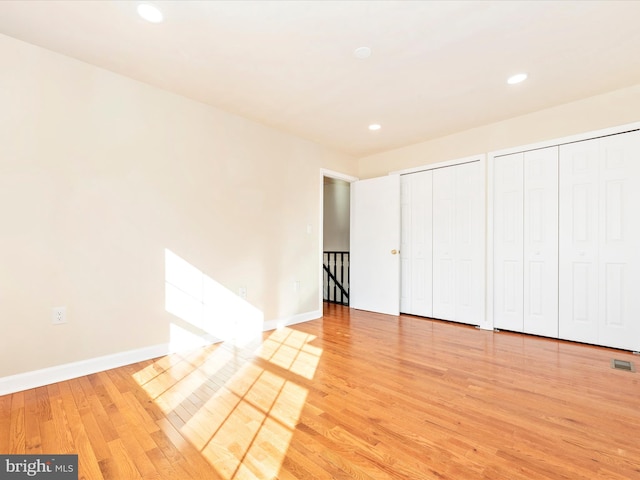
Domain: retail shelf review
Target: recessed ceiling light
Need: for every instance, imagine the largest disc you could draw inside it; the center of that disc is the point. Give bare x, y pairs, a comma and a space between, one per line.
150, 13
520, 77
375, 126
362, 52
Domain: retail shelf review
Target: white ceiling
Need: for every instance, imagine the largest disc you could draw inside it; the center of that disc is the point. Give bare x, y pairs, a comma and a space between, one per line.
437, 66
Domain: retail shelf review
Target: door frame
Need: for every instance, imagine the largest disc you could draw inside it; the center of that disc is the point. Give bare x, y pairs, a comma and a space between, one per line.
339, 176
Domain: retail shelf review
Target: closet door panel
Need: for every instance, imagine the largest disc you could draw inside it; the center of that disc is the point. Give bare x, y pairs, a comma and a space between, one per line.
540, 246
444, 204
458, 215
508, 242
406, 252
469, 254
619, 241
423, 245
416, 246
578, 241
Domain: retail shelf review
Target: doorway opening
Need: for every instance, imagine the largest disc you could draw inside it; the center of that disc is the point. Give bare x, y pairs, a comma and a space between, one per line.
335, 237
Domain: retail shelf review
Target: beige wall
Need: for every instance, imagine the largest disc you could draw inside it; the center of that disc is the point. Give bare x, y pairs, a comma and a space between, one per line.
99, 174
607, 110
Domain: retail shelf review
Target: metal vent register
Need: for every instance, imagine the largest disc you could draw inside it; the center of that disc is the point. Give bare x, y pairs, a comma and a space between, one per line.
622, 365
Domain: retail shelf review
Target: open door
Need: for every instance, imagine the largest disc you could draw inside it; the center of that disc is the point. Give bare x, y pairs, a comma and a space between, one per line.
375, 244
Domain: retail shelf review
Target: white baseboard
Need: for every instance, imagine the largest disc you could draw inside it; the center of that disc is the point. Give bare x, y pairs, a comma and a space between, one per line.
47, 376
299, 318
59, 373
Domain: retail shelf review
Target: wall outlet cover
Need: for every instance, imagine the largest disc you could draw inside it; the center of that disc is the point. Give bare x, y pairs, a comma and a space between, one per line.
59, 315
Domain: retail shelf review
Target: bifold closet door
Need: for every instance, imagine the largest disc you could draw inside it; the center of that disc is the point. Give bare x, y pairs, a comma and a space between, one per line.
508, 243
540, 242
458, 256
578, 268
599, 241
525, 249
416, 244
619, 242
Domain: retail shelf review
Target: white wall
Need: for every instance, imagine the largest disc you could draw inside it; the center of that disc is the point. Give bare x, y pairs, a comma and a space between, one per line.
336, 215
610, 109
99, 174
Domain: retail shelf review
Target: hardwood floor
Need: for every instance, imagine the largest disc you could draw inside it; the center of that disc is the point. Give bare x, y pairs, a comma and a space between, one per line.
352, 395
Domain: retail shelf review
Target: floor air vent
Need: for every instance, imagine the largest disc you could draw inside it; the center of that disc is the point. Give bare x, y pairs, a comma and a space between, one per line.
622, 365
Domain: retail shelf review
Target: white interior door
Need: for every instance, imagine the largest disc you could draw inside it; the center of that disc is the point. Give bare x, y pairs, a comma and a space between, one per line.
469, 244
375, 242
599, 238
458, 243
406, 250
541, 242
526, 242
444, 206
508, 240
619, 241
578, 242
416, 244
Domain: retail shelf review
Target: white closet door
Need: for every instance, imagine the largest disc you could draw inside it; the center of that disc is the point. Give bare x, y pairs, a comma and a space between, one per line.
469, 251
578, 241
619, 241
406, 252
416, 246
508, 242
458, 218
541, 242
444, 226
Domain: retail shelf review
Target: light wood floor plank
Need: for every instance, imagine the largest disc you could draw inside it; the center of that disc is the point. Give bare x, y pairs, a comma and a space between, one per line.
5, 422
33, 440
17, 442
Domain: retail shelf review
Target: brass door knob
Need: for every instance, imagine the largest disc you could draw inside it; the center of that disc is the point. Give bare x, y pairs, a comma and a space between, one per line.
394, 251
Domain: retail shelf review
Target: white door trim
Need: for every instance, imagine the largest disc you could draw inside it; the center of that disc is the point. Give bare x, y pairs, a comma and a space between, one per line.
433, 166
562, 140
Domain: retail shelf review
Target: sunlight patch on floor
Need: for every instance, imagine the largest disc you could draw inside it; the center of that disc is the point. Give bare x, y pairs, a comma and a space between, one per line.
290, 350
252, 418
240, 415
169, 386
238, 406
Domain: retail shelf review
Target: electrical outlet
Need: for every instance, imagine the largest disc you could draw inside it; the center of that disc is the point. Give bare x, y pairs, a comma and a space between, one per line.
58, 315
296, 286
242, 292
